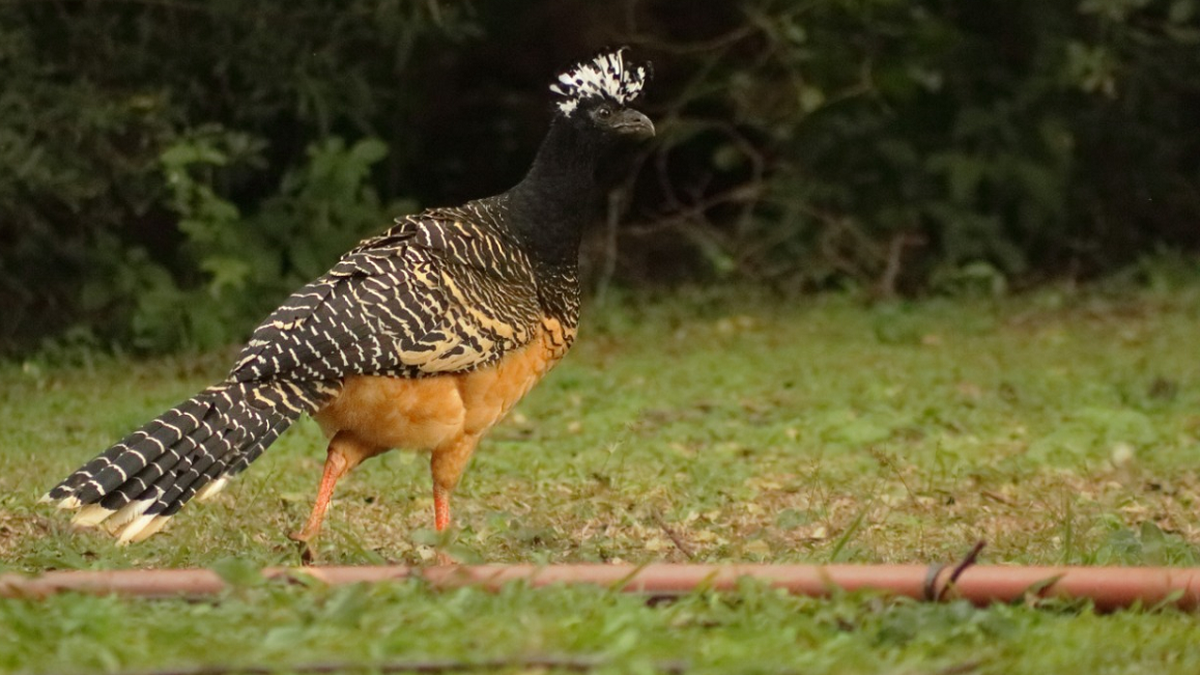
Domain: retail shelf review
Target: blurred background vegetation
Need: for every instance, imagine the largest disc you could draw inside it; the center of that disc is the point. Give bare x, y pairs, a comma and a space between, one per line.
171, 169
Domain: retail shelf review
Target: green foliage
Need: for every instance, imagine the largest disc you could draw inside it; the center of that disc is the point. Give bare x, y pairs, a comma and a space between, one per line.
890, 147
1145, 545
150, 154
1055, 427
900, 145
248, 261
237, 265
743, 428
408, 627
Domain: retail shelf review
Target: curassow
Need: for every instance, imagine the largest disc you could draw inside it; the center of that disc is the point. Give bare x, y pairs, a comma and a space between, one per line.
422, 337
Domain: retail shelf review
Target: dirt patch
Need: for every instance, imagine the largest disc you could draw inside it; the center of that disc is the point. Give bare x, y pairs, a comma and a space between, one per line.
17, 529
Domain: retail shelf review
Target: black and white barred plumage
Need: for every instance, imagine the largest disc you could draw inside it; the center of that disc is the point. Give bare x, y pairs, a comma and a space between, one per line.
441, 292
138, 483
444, 291
449, 290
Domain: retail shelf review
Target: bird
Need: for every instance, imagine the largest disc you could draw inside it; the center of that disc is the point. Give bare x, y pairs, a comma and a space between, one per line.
422, 337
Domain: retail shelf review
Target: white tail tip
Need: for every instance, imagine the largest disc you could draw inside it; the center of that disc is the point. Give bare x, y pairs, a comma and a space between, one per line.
209, 491
155, 525
141, 528
126, 514
91, 515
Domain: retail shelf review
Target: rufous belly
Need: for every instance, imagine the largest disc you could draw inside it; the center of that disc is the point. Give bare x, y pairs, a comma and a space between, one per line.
430, 412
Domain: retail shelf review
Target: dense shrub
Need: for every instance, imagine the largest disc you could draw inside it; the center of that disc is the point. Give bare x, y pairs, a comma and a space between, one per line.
168, 171
903, 145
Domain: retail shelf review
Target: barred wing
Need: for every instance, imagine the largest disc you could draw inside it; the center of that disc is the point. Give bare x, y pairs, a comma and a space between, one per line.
429, 296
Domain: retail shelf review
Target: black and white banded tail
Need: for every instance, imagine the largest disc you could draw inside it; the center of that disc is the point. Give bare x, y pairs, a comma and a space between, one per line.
189, 451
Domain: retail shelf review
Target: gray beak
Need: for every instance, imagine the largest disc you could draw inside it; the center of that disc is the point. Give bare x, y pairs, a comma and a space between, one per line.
633, 124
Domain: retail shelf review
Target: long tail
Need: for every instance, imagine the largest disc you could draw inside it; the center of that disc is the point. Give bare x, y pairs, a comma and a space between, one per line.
133, 487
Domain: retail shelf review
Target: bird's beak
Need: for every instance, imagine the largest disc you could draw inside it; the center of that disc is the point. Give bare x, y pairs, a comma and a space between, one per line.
633, 124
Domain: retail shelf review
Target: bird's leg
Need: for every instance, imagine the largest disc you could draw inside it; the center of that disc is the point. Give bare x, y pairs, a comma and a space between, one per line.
441, 507
344, 453
446, 465
335, 468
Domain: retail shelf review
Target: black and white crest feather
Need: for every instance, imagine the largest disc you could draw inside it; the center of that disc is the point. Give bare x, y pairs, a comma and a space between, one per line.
604, 76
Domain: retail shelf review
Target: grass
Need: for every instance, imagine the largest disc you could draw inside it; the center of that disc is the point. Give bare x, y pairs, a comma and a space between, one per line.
1060, 427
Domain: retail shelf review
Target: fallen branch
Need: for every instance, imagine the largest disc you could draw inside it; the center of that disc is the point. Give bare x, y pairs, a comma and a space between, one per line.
675, 538
934, 572
1108, 588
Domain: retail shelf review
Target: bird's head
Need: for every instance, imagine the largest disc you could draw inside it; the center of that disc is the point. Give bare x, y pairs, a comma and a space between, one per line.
597, 93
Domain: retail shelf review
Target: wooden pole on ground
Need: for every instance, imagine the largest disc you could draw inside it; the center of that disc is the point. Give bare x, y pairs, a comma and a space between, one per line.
1108, 588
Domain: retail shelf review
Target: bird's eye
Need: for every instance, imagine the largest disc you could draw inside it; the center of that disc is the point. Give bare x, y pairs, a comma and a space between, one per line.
604, 113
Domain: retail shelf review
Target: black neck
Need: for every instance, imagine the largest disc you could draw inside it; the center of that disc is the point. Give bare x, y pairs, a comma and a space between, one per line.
557, 198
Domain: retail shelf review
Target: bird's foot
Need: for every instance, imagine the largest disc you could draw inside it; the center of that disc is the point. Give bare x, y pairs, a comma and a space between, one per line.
308, 554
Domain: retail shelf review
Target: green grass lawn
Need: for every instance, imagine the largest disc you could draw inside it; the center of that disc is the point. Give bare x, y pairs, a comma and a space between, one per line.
1060, 427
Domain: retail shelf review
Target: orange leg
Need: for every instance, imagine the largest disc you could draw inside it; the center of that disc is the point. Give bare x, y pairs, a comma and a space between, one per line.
345, 452
441, 520
447, 464
441, 507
